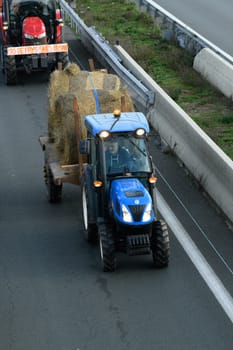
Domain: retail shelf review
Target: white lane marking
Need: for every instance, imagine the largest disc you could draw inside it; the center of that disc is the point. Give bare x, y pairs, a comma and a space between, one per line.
195, 222
216, 286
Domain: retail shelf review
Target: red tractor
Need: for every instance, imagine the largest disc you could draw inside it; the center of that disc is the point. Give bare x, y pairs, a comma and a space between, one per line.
31, 35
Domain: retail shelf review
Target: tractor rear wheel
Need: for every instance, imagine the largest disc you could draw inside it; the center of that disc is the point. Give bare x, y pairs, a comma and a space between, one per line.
54, 191
89, 228
160, 244
10, 69
2, 59
107, 247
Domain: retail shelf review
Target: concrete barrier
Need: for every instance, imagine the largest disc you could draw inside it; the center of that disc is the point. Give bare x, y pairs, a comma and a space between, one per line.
216, 70
212, 168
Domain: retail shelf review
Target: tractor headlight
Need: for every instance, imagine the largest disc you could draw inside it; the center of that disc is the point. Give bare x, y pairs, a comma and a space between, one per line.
104, 134
147, 213
28, 36
41, 36
140, 132
126, 214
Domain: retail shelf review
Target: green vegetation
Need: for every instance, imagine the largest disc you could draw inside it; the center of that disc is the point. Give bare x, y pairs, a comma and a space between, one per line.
169, 65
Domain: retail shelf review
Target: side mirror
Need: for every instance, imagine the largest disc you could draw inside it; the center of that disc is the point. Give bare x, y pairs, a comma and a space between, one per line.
84, 146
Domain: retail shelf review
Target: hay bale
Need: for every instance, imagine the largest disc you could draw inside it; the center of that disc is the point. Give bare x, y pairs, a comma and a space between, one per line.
98, 80
64, 119
72, 70
78, 82
59, 85
70, 84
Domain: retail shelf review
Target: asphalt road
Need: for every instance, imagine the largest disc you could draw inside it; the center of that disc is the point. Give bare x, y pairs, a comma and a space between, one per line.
53, 294
210, 18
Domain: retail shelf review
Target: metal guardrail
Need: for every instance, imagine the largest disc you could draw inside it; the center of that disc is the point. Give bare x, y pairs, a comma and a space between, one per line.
96, 44
173, 27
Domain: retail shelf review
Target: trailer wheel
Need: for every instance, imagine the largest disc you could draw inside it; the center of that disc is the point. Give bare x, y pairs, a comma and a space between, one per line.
10, 69
160, 244
54, 191
90, 233
107, 248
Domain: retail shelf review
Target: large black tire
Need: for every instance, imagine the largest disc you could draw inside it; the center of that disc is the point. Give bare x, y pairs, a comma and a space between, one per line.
89, 228
107, 247
10, 69
160, 245
54, 192
2, 57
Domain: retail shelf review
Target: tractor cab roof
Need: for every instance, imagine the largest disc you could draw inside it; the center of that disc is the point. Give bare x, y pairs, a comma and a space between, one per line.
123, 122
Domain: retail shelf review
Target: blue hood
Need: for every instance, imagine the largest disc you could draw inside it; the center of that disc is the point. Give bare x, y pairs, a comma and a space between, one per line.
131, 202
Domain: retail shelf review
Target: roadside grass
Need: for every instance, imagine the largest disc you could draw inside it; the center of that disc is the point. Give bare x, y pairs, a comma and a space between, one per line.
169, 65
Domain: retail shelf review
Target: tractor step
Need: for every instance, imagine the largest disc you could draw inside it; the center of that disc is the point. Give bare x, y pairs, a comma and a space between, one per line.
138, 244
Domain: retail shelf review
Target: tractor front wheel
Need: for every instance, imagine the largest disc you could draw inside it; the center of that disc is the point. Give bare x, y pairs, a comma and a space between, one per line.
107, 247
88, 227
160, 244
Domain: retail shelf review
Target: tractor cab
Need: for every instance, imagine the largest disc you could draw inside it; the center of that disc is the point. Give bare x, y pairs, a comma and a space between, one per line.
126, 153
122, 143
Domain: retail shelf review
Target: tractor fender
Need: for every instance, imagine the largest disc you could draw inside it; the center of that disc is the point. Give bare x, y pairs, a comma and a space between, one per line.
58, 29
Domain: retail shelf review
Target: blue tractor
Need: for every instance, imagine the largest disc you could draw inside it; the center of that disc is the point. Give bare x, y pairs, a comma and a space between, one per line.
118, 189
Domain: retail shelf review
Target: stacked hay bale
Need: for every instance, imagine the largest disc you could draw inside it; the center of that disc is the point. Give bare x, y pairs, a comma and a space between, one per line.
72, 84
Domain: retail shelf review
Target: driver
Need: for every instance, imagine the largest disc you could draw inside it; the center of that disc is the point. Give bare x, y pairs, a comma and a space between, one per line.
117, 157
15, 7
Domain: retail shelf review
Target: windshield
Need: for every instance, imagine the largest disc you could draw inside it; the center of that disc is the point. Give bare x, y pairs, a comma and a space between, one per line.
126, 154
50, 3
43, 7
